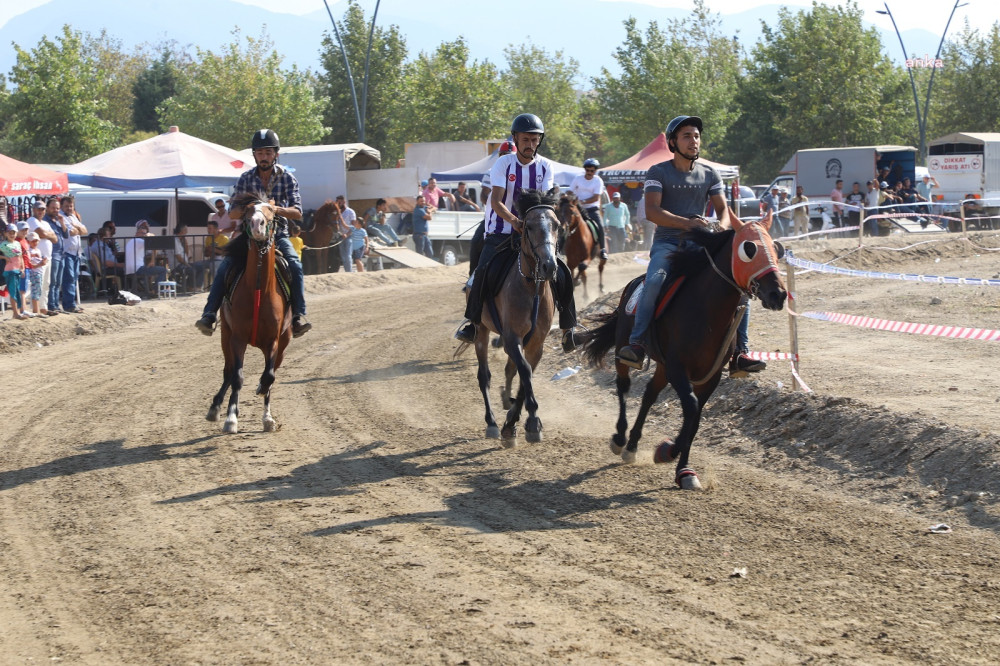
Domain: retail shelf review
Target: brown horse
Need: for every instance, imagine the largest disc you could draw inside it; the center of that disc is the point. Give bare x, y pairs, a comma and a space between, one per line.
580, 246
319, 238
521, 314
257, 314
693, 337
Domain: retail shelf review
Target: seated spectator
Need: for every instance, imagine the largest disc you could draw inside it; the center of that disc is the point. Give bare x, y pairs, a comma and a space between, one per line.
183, 272
433, 195
214, 243
137, 261
375, 224
104, 259
463, 200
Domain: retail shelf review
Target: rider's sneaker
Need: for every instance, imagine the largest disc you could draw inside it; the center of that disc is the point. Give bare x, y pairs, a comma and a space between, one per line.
466, 334
206, 324
631, 355
570, 340
300, 326
747, 364
604, 255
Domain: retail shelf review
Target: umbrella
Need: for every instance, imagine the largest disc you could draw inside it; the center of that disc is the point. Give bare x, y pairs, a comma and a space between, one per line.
21, 179
172, 159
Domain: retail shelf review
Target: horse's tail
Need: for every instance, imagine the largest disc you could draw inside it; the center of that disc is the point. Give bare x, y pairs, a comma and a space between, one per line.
601, 339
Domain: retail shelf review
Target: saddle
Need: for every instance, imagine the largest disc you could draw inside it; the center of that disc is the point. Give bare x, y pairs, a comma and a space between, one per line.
633, 292
496, 269
281, 272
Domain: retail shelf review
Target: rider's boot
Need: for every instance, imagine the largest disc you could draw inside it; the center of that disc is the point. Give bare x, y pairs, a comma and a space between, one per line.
567, 308
473, 310
632, 355
300, 326
206, 324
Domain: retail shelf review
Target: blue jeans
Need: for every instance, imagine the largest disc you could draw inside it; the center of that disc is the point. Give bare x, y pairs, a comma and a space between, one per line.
55, 282
423, 244
71, 273
656, 275
345, 254
298, 288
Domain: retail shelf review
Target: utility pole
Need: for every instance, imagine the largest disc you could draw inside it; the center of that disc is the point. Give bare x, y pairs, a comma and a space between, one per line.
359, 113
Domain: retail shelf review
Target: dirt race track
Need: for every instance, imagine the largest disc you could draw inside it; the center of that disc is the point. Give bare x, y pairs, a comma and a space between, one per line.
378, 526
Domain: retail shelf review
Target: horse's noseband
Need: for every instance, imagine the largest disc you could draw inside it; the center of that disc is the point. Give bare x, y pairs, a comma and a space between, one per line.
532, 246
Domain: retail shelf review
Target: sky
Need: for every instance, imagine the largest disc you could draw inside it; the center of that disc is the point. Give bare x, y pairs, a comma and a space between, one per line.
930, 15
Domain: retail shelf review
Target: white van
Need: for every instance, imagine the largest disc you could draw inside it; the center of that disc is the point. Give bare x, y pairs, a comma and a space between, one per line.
193, 207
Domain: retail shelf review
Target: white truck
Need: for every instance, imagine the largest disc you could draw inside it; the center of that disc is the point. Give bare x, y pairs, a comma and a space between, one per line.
430, 156
817, 170
158, 207
966, 165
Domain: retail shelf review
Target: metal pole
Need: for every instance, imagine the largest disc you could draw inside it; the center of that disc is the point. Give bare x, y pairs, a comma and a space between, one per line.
930, 84
913, 83
861, 225
364, 87
350, 77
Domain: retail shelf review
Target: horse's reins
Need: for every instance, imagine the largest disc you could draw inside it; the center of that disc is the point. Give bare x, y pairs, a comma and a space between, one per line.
262, 251
534, 277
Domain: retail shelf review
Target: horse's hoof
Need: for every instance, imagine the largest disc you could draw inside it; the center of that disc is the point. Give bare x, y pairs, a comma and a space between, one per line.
213, 414
617, 444
628, 457
665, 452
687, 479
533, 430
532, 437
492, 432
230, 427
508, 442
270, 425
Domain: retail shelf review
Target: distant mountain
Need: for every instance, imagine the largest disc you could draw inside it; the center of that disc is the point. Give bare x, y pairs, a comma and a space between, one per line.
587, 30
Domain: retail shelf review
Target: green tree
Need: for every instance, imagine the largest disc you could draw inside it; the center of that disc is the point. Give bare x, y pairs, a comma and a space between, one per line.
972, 72
223, 98
444, 97
385, 74
117, 72
154, 84
58, 108
545, 85
689, 67
817, 78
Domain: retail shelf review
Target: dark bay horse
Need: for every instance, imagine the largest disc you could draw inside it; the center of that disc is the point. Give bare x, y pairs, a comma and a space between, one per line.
521, 314
579, 246
693, 337
258, 313
318, 239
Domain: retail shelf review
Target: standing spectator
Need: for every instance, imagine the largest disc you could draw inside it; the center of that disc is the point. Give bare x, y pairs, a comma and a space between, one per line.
359, 245
857, 199
376, 224
345, 225
463, 200
59, 225
837, 197
295, 237
588, 189
618, 219
924, 187
872, 197
800, 215
136, 261
769, 204
71, 255
784, 215
433, 194
22, 232
46, 236
10, 251
421, 214
38, 263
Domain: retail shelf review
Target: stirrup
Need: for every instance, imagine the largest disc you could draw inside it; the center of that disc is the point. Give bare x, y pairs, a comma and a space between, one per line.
635, 358
206, 324
466, 334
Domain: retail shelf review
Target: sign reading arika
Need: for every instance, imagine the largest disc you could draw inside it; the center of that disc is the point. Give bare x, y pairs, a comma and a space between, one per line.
955, 163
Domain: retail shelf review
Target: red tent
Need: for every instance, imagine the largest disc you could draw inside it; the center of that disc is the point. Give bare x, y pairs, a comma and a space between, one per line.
634, 168
23, 179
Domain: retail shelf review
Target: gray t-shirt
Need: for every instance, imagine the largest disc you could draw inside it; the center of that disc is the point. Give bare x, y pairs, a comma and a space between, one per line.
683, 193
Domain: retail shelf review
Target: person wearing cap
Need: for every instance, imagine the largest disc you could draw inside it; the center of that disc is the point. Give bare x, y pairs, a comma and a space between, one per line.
770, 203
676, 193
588, 189
61, 227
283, 191
13, 270
46, 236
618, 219
522, 169
924, 195
136, 261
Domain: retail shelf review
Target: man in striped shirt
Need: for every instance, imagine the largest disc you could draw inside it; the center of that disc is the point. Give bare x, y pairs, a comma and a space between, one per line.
519, 170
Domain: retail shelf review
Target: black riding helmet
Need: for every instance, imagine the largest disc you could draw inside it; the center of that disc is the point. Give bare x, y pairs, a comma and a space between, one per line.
591, 162
530, 123
680, 121
265, 138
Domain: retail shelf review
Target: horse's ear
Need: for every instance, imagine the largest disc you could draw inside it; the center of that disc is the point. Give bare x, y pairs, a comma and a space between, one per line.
734, 221
554, 192
766, 221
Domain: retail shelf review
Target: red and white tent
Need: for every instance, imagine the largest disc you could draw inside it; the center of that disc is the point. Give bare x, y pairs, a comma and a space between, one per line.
634, 169
19, 179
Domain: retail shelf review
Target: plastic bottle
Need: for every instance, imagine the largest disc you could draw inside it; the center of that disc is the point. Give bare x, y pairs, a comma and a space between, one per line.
566, 372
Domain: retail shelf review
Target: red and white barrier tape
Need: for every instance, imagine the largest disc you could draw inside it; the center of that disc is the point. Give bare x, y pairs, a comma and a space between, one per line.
802, 384
938, 330
773, 356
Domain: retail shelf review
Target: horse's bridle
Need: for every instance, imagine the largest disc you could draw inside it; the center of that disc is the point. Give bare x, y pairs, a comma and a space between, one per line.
534, 248
262, 248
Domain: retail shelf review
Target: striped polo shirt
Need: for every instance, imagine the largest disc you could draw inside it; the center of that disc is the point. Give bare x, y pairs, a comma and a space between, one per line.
508, 172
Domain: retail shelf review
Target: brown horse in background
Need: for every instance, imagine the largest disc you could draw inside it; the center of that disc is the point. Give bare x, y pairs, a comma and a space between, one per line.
579, 245
318, 239
257, 314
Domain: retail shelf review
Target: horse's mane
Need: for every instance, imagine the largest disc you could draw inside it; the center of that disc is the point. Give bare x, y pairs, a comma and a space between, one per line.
323, 213
567, 199
691, 259
247, 199
527, 199
238, 247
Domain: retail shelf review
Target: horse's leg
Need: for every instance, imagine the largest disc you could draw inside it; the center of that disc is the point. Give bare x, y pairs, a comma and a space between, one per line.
512, 345
509, 372
483, 355
213, 410
600, 275
623, 383
583, 280
270, 425
691, 406
238, 349
533, 425
649, 396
